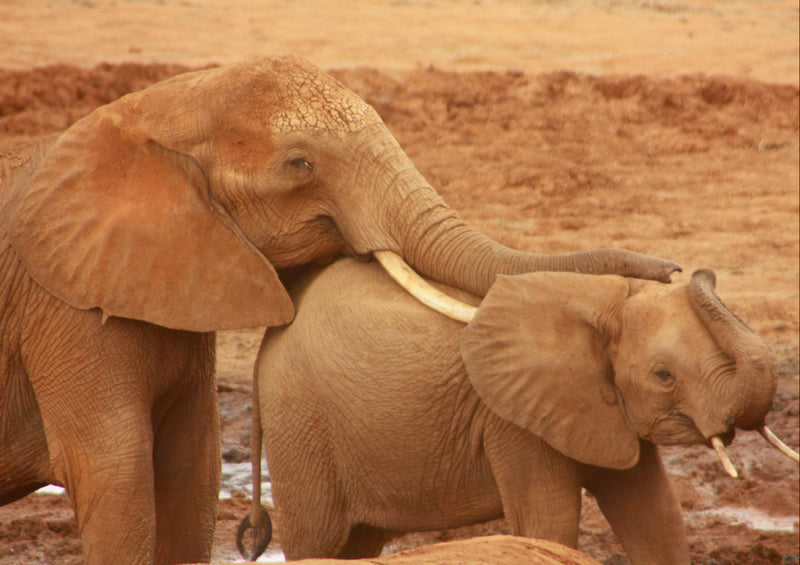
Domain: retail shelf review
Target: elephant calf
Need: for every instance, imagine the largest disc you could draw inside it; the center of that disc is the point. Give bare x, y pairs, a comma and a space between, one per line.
412, 421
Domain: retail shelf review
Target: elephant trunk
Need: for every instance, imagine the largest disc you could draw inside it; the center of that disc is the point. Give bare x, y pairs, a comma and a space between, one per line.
441, 246
756, 371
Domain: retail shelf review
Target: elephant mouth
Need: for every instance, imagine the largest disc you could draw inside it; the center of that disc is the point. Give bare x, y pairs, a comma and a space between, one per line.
360, 257
680, 428
676, 428
317, 240
727, 438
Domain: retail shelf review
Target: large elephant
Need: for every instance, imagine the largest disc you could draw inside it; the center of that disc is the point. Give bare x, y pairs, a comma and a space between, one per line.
381, 416
166, 215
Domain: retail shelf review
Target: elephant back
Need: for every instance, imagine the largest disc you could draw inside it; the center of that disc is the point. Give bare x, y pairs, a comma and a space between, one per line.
17, 165
349, 283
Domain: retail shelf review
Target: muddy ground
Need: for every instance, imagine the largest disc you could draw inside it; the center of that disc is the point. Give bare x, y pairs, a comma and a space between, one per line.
569, 142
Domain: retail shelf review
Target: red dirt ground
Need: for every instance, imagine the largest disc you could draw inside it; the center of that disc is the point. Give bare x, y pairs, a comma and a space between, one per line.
689, 160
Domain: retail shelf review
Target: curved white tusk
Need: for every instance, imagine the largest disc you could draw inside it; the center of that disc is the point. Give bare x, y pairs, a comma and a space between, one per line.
421, 290
723, 457
778, 444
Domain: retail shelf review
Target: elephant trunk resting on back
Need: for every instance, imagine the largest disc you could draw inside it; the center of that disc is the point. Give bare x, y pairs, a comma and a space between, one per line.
380, 416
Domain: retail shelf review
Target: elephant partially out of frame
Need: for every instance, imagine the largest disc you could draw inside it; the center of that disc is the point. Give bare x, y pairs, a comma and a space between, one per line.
129, 238
381, 416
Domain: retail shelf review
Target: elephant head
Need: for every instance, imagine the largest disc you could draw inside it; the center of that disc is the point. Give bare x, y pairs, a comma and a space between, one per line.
177, 204
592, 364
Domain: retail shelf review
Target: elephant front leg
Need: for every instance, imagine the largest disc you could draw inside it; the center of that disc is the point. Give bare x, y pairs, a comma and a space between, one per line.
24, 461
539, 487
187, 473
94, 385
642, 510
106, 466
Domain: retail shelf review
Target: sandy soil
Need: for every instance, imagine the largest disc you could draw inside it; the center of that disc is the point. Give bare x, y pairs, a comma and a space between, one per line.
667, 128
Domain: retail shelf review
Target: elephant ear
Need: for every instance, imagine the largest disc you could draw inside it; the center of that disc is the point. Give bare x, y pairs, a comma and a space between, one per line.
535, 356
115, 218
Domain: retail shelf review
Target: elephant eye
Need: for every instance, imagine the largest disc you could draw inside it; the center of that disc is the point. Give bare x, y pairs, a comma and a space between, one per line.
665, 377
301, 163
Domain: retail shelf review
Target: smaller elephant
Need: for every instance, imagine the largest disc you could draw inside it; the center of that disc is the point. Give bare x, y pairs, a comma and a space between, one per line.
381, 416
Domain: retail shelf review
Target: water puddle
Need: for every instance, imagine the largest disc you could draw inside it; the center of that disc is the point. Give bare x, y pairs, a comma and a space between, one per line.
272, 556
235, 476
50, 489
750, 517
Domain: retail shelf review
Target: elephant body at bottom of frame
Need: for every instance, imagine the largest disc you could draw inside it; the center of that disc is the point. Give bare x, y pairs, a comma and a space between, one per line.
495, 549
380, 416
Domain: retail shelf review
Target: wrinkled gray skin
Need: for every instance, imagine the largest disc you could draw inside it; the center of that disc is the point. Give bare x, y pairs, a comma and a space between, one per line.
380, 416
160, 218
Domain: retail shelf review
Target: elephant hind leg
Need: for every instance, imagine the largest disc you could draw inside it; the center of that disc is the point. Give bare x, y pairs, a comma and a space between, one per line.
312, 534
312, 511
364, 541
312, 506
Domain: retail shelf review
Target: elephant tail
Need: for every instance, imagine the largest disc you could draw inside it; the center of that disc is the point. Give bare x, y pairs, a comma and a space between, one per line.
262, 532
258, 519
